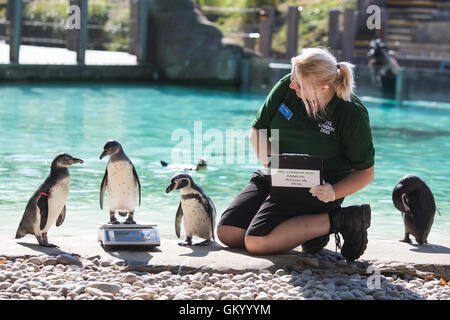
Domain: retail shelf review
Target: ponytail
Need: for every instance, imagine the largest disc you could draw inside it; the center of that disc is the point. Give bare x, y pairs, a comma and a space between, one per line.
344, 81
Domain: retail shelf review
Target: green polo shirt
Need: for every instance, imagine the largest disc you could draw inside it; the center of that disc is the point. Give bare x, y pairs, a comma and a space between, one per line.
341, 136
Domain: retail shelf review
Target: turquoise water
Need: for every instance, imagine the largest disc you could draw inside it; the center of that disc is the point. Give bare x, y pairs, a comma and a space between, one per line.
156, 123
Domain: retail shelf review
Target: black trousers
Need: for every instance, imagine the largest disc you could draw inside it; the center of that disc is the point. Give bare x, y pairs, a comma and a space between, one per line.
254, 210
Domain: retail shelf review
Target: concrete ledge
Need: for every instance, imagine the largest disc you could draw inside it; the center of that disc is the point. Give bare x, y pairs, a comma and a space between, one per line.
389, 257
43, 72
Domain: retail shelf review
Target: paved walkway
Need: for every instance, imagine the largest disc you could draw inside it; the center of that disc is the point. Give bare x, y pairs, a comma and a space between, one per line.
213, 258
48, 55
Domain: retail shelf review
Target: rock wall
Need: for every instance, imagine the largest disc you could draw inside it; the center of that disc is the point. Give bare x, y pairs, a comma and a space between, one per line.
185, 46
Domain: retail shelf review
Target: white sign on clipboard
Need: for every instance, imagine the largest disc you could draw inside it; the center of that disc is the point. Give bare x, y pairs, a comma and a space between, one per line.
297, 178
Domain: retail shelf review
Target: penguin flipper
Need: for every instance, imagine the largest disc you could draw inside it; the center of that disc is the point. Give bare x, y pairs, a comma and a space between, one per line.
43, 207
212, 209
178, 218
139, 184
61, 217
103, 187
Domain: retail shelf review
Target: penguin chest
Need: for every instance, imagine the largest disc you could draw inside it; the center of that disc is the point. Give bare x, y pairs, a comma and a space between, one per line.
122, 187
196, 220
58, 196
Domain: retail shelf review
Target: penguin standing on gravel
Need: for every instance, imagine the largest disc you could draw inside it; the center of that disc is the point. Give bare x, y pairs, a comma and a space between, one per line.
122, 182
196, 207
48, 203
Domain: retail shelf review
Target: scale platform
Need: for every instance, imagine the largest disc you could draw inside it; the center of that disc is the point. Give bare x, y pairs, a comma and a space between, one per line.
128, 235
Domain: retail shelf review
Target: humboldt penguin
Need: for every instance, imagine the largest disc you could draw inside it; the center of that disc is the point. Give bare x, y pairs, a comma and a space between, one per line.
197, 209
415, 200
201, 164
122, 182
48, 203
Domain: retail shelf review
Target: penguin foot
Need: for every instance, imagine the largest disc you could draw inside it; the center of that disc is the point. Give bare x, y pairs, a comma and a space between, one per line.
48, 245
406, 240
203, 243
113, 221
185, 243
130, 221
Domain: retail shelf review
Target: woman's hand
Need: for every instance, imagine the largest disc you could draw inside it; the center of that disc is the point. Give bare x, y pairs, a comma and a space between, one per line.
324, 192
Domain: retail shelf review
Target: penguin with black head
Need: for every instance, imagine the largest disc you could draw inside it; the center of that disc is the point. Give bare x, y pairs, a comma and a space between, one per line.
414, 199
122, 182
196, 208
47, 206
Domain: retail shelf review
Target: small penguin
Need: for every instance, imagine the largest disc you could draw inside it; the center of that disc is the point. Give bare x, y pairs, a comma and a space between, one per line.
48, 203
196, 207
201, 164
416, 202
121, 180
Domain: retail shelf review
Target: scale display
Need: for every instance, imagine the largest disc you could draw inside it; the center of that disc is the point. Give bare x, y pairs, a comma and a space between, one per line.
128, 235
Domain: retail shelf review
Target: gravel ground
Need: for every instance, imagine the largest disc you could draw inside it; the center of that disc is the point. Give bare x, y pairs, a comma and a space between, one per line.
67, 277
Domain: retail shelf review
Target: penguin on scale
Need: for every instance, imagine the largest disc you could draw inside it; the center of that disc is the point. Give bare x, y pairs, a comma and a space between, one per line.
122, 183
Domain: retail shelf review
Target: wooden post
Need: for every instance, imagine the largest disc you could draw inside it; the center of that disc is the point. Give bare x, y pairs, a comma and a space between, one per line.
362, 14
138, 31
333, 31
249, 42
267, 14
77, 38
15, 31
348, 39
292, 31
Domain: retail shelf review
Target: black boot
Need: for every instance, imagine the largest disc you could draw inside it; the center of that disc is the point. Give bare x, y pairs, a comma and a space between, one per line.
316, 244
352, 222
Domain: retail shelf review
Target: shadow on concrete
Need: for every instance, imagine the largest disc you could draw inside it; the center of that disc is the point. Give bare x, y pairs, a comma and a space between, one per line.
49, 251
430, 248
202, 251
132, 255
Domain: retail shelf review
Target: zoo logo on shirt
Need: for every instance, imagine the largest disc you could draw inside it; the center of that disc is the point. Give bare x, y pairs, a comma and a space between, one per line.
326, 127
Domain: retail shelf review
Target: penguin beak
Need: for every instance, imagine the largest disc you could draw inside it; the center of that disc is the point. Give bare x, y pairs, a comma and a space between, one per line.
170, 188
105, 152
76, 160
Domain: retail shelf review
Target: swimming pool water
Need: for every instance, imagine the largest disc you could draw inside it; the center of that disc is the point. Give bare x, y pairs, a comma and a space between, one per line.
155, 122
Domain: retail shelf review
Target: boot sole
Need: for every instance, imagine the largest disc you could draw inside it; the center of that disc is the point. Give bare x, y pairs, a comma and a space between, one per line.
365, 224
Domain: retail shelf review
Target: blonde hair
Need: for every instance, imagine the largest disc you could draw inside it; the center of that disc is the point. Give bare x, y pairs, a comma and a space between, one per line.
316, 67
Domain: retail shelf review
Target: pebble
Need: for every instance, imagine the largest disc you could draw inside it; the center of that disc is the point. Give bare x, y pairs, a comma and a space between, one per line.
76, 278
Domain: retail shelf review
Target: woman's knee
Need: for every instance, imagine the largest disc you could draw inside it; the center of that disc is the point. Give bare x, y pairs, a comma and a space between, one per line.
256, 245
231, 236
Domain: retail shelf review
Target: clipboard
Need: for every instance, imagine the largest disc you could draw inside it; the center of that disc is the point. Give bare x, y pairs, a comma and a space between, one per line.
292, 175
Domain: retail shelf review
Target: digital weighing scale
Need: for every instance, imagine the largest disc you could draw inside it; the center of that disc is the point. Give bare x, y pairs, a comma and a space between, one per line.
128, 235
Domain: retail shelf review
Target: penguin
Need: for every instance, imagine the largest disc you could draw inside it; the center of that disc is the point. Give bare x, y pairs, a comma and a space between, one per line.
48, 203
122, 182
201, 164
414, 199
197, 209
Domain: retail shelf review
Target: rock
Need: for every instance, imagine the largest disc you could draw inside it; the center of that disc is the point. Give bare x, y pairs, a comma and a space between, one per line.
280, 272
347, 296
94, 291
204, 278
307, 273
265, 276
196, 284
50, 262
130, 277
312, 262
105, 286
67, 259
35, 260
106, 262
